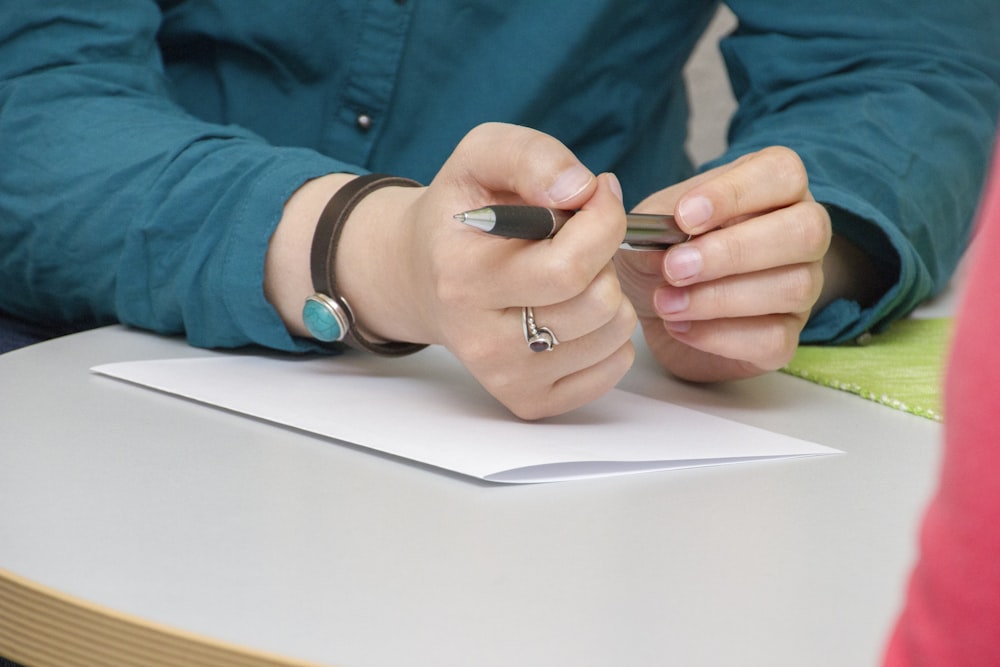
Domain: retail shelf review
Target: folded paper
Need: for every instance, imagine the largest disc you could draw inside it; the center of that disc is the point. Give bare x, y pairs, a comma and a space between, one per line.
428, 409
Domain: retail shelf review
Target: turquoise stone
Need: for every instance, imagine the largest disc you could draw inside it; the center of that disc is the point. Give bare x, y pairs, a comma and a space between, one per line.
321, 321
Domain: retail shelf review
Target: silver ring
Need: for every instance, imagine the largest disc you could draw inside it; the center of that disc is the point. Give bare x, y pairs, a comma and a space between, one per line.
539, 339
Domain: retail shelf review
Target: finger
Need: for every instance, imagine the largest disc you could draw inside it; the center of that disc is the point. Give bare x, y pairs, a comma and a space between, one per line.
534, 166
790, 289
514, 273
639, 274
586, 368
539, 384
791, 235
571, 356
582, 249
688, 363
766, 342
586, 312
758, 182
498, 353
590, 384
574, 390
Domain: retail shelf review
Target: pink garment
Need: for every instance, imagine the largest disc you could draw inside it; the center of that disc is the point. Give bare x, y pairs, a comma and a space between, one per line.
951, 617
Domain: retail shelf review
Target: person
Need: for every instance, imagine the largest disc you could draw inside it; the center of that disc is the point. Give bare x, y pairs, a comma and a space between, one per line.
173, 166
951, 612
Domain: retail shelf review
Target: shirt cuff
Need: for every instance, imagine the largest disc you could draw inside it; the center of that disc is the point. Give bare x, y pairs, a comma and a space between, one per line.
253, 319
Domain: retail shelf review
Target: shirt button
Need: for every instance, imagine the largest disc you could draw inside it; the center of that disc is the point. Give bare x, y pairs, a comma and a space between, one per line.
363, 121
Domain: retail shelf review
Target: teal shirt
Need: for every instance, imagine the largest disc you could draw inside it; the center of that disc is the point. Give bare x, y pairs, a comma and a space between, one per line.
147, 148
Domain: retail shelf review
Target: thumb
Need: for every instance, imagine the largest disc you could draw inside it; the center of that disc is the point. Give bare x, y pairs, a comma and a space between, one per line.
531, 166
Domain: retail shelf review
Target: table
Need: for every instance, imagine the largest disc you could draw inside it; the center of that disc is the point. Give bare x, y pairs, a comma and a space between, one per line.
138, 528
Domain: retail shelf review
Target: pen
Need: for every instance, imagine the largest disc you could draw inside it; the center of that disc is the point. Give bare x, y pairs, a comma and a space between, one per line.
646, 231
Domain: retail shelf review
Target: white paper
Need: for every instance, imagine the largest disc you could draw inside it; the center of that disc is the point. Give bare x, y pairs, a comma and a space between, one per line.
427, 408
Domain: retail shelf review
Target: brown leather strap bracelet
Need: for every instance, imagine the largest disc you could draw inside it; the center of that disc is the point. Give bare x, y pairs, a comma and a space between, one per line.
326, 314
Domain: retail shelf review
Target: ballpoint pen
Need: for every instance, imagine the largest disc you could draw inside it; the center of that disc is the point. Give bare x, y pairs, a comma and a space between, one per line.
645, 231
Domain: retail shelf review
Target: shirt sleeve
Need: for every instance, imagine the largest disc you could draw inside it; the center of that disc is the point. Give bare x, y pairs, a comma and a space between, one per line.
116, 204
892, 106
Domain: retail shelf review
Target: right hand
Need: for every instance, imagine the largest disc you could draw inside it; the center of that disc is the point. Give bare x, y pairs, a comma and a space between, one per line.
435, 280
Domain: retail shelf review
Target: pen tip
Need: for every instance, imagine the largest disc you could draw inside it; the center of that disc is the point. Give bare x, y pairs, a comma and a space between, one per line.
477, 219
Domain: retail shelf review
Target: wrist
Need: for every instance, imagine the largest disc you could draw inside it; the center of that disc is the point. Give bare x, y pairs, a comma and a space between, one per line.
287, 278
337, 246
374, 251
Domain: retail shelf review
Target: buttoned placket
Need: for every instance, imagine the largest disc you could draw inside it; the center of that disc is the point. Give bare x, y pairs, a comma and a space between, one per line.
364, 99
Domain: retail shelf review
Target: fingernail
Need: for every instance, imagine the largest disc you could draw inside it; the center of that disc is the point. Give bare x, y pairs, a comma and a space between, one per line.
677, 327
670, 300
695, 211
616, 186
682, 263
570, 183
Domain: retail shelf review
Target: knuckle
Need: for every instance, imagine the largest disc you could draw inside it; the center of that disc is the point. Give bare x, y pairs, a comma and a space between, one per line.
629, 316
779, 344
814, 229
603, 296
626, 358
788, 341
475, 136
787, 166
816, 271
622, 323
801, 286
567, 275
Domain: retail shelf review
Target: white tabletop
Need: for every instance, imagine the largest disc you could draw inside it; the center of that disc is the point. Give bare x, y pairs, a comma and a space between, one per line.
244, 532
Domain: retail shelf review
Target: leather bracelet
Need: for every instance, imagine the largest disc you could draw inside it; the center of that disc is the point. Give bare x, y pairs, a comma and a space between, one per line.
326, 314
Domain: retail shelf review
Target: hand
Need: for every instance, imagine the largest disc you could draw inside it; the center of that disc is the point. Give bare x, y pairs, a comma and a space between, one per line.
434, 280
731, 302
471, 286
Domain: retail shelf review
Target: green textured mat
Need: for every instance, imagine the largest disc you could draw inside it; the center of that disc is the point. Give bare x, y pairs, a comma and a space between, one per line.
902, 367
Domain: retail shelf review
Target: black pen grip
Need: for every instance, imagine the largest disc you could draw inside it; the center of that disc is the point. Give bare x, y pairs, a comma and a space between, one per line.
525, 222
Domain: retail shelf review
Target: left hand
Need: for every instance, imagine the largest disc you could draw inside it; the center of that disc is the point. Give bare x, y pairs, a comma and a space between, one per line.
730, 303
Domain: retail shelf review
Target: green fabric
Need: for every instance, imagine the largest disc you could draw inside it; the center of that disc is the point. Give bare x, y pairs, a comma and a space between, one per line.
902, 368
